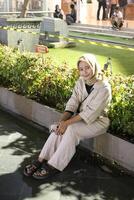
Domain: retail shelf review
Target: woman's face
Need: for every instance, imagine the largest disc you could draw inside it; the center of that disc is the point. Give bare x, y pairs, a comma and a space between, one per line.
85, 70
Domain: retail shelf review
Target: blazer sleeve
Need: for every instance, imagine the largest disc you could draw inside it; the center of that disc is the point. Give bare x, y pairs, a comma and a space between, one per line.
73, 102
94, 108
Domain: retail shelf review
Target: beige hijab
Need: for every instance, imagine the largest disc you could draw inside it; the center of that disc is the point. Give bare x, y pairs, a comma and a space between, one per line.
90, 59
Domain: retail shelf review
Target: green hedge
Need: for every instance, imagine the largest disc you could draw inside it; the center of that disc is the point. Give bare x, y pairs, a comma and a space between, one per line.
121, 111
36, 77
39, 78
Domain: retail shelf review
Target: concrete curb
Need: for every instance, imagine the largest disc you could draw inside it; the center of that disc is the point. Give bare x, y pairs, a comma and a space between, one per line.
107, 145
103, 30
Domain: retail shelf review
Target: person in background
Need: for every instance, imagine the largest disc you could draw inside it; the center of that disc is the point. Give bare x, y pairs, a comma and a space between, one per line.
71, 17
117, 19
85, 117
101, 4
58, 13
123, 4
108, 6
113, 4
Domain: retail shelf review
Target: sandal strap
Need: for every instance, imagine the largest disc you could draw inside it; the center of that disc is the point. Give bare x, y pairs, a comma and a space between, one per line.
46, 167
36, 163
45, 171
30, 169
49, 169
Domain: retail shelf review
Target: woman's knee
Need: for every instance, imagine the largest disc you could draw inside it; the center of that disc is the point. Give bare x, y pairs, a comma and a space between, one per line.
71, 128
70, 134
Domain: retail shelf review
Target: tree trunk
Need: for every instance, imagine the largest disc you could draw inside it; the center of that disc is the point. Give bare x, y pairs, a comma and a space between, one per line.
24, 8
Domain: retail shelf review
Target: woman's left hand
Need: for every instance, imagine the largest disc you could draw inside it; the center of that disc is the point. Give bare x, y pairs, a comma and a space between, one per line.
62, 126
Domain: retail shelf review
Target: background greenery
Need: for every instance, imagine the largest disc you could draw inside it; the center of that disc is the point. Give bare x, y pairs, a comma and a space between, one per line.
50, 83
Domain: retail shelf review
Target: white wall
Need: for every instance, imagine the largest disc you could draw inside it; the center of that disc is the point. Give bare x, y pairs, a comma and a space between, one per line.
57, 2
51, 4
86, 12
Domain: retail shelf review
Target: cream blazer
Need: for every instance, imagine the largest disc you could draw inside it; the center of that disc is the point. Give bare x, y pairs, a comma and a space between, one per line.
94, 107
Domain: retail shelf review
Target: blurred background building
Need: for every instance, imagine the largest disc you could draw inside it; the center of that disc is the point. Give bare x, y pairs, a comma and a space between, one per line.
16, 5
86, 9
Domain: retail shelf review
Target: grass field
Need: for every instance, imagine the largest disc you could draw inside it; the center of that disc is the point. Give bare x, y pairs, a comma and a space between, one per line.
122, 59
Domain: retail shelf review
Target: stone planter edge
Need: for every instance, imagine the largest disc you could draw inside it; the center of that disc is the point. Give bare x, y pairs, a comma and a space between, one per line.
107, 145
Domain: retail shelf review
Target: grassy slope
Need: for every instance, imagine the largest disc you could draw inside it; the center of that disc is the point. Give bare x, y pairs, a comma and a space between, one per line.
122, 59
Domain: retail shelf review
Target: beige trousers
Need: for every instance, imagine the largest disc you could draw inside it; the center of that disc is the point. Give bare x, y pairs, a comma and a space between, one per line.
59, 150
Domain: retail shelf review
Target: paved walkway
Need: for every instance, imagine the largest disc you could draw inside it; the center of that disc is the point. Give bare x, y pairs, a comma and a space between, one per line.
127, 23
81, 180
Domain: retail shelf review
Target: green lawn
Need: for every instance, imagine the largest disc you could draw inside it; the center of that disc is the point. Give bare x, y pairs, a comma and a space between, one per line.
122, 59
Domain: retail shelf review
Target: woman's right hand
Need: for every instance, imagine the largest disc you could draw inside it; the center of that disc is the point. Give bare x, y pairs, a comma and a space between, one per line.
61, 128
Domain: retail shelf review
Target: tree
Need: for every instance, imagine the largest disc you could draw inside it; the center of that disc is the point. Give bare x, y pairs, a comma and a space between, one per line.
24, 8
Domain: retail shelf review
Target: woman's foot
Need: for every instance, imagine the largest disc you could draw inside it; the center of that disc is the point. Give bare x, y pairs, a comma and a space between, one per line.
33, 167
46, 171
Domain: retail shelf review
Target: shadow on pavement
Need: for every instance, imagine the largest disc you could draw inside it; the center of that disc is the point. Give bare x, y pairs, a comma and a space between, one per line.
82, 179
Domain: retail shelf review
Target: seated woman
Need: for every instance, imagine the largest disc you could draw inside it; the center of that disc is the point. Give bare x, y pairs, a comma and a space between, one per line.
84, 117
117, 19
71, 18
58, 13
